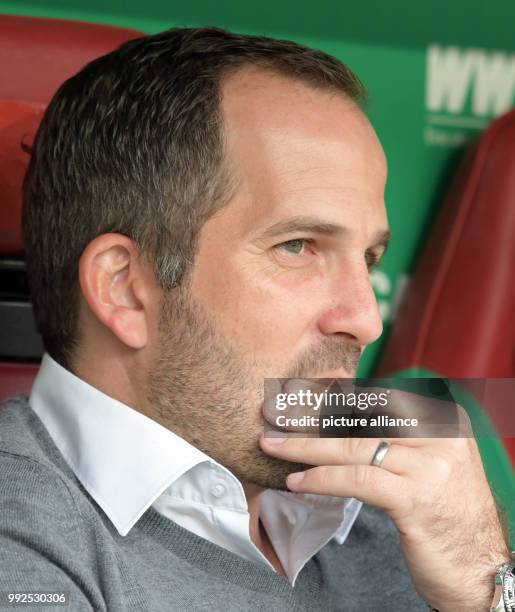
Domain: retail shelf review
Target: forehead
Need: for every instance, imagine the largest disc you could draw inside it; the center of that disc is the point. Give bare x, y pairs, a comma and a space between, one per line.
294, 149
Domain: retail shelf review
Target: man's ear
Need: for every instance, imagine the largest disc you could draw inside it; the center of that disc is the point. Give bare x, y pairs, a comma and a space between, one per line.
116, 287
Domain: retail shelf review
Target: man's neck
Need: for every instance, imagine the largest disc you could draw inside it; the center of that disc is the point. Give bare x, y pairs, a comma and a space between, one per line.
258, 533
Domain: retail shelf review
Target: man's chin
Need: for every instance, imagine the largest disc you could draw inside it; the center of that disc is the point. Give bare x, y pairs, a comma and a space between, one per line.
265, 471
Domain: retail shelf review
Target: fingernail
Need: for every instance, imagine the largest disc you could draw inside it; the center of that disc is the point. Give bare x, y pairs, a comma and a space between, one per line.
295, 479
275, 441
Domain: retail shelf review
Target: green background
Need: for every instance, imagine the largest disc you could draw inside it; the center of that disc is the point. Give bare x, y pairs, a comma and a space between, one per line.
386, 44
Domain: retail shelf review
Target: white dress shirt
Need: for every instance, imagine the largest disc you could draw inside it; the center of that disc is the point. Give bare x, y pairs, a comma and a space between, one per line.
127, 462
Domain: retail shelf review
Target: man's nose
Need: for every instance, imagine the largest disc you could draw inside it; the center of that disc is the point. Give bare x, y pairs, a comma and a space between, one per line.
353, 310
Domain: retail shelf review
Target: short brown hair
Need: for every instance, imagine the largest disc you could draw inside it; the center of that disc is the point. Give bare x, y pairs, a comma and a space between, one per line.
134, 144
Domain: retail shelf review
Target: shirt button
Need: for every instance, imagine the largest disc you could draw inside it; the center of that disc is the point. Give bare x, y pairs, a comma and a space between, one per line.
218, 490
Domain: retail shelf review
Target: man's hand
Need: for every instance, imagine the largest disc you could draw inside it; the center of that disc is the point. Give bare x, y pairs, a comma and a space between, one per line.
436, 492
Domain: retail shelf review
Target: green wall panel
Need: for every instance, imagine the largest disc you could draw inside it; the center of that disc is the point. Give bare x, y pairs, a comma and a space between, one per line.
396, 22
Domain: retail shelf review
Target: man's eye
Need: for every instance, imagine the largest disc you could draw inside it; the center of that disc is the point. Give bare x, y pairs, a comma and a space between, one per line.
294, 247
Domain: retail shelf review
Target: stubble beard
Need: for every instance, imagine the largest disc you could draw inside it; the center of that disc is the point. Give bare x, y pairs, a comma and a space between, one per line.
205, 390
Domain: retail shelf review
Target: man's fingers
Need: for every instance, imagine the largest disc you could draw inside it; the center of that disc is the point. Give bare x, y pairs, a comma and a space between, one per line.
400, 459
369, 484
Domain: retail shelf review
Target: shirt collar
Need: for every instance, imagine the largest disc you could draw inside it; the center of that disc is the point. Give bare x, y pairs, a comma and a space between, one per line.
128, 448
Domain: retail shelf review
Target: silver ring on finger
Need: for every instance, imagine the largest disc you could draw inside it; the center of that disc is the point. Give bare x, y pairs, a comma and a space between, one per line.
380, 453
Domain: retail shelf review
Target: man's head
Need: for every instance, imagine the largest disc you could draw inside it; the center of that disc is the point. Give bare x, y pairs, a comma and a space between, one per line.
200, 212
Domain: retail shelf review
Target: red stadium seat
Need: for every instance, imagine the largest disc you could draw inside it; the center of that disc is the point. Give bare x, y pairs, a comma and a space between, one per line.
18, 124
37, 55
16, 379
458, 316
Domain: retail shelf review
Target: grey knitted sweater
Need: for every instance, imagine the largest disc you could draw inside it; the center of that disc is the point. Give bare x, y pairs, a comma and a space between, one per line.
54, 538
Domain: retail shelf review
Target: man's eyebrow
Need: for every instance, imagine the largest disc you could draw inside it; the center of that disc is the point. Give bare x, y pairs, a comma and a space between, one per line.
303, 224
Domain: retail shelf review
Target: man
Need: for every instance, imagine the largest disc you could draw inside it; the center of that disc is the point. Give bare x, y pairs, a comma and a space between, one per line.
201, 211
